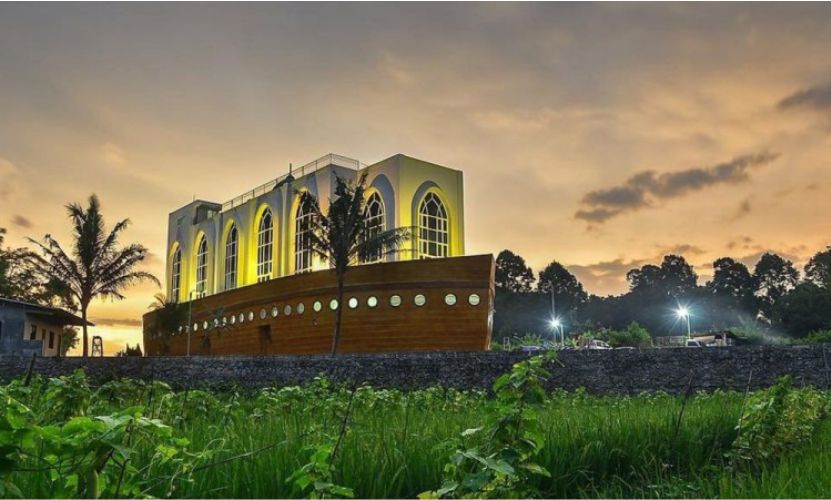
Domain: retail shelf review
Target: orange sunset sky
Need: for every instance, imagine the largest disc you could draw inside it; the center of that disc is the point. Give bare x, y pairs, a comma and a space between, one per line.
600, 135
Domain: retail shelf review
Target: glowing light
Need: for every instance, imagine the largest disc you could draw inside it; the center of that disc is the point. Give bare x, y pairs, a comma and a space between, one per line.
683, 312
555, 323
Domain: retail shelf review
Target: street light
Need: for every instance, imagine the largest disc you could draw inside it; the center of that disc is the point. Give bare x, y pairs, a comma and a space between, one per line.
684, 313
557, 326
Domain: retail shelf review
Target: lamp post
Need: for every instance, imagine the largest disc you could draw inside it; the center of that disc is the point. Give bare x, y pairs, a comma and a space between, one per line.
557, 326
190, 318
684, 313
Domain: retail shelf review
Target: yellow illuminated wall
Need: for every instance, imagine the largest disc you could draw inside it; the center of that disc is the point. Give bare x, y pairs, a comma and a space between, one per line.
401, 181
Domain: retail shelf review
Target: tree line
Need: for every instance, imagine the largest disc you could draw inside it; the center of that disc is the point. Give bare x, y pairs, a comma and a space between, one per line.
773, 298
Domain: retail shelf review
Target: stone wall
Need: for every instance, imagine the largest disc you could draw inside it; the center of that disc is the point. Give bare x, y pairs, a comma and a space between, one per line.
617, 371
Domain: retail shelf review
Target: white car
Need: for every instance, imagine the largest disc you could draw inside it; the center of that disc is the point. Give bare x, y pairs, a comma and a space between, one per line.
597, 344
695, 343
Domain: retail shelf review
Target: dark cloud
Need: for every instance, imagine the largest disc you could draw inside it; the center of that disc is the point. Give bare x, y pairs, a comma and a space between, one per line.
644, 187
742, 210
116, 322
817, 97
683, 249
20, 221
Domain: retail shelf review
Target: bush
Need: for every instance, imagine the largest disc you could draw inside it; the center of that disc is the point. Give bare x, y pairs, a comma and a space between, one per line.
633, 336
818, 337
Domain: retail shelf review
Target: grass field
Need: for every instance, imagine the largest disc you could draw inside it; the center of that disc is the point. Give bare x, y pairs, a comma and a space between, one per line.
387, 443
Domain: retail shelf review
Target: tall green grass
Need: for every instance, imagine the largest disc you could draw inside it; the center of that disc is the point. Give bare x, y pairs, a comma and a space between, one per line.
397, 442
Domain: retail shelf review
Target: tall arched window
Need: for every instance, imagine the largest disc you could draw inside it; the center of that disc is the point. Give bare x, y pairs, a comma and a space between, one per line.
302, 240
265, 251
375, 219
231, 259
202, 267
432, 228
176, 275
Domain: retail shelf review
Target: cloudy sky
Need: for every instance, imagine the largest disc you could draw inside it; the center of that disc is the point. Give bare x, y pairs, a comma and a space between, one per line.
600, 135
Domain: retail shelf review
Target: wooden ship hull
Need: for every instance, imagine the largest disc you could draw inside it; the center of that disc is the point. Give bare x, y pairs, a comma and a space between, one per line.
419, 305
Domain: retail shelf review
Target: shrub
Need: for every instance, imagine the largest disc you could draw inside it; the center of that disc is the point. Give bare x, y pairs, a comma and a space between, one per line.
818, 337
633, 336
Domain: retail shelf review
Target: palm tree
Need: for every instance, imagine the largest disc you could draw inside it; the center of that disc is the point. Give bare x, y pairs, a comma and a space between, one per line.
97, 267
342, 236
169, 315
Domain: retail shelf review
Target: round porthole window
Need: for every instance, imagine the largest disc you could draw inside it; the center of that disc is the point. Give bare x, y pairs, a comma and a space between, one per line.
395, 300
196, 327
224, 320
180, 329
372, 301
301, 308
233, 319
241, 318
450, 299
263, 313
250, 316
317, 306
287, 310
419, 300
333, 304
205, 325
473, 299
274, 312
353, 303
216, 322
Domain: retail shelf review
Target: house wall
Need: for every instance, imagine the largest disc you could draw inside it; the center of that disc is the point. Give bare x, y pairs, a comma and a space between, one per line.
14, 338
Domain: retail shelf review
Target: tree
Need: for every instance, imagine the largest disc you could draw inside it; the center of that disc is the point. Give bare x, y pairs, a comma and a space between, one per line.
97, 267
804, 309
68, 340
342, 235
818, 269
20, 279
773, 277
674, 278
512, 275
129, 351
733, 281
568, 292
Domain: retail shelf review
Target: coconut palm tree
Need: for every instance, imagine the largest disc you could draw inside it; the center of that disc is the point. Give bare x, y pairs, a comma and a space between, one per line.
342, 236
96, 266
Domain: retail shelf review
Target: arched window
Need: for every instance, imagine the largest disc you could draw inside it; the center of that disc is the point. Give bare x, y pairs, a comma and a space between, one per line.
176, 275
302, 240
265, 240
432, 228
231, 259
375, 219
202, 267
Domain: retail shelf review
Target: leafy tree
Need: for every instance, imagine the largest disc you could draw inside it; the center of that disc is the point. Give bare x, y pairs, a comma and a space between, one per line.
20, 279
732, 280
341, 236
804, 309
818, 269
68, 339
97, 267
674, 278
773, 277
679, 278
512, 274
567, 290
129, 351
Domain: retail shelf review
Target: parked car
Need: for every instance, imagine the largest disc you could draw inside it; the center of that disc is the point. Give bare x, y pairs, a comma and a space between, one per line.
531, 348
596, 344
695, 343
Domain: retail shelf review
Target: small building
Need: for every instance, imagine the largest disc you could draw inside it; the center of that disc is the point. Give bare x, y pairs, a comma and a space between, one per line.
27, 328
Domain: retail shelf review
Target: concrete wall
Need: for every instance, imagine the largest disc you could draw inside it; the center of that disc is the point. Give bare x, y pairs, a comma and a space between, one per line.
619, 371
15, 334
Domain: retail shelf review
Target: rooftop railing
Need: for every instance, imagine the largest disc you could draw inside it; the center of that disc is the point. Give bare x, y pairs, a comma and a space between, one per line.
308, 168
